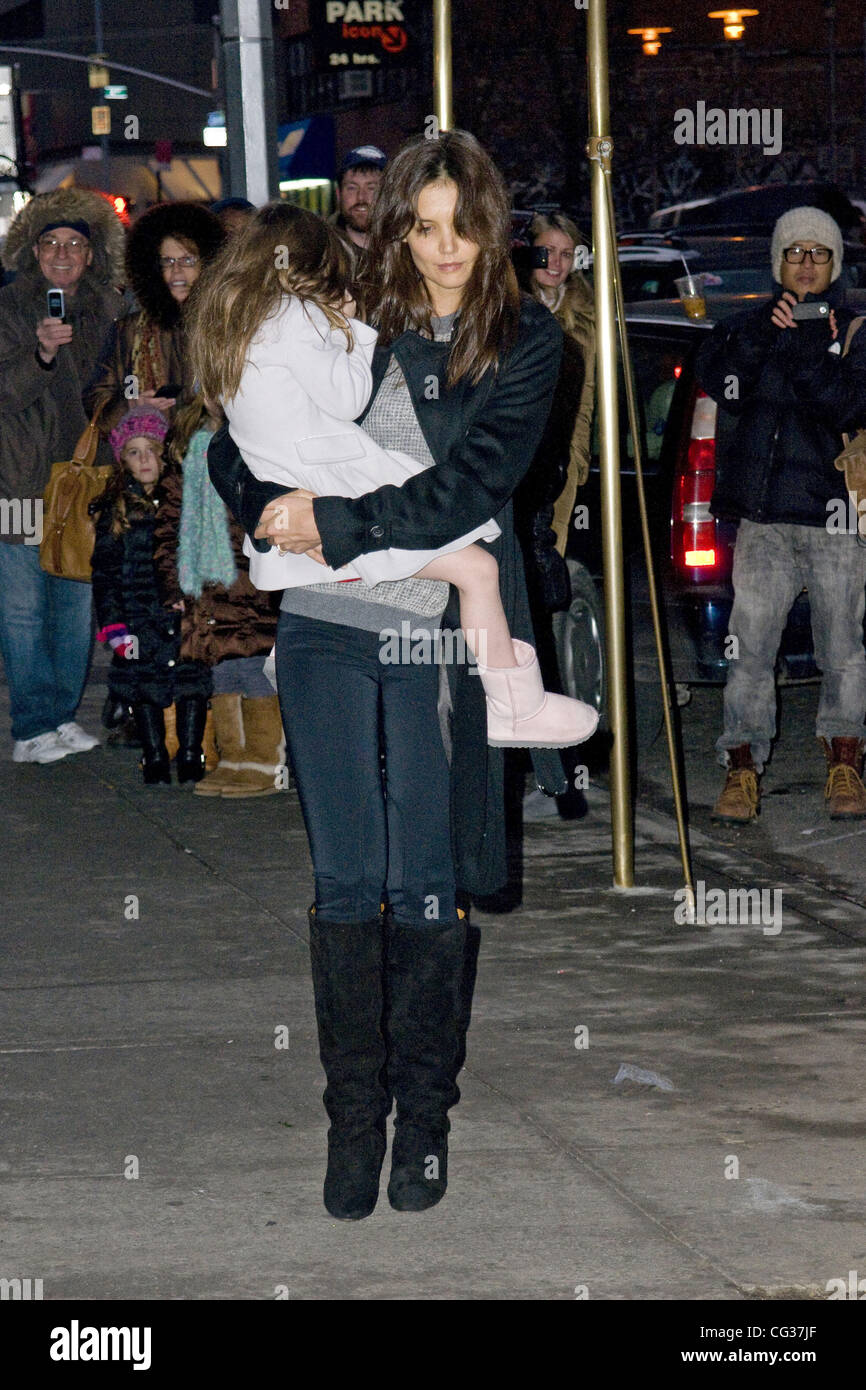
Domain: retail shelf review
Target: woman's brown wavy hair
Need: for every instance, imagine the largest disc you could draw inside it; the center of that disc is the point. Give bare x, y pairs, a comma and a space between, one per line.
284, 250
395, 293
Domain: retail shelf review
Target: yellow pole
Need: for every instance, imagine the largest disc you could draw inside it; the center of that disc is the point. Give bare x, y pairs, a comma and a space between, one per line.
599, 148
442, 86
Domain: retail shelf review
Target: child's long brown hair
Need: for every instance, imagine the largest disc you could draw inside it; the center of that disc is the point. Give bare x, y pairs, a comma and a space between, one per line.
284, 250
396, 295
124, 507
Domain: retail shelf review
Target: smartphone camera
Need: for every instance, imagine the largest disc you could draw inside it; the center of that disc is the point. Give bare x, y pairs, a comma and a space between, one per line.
813, 309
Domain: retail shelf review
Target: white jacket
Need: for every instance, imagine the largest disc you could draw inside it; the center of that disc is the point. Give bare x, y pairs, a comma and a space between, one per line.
293, 421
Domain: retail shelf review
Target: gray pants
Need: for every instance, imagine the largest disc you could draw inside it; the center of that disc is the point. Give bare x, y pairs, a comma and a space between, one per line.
772, 563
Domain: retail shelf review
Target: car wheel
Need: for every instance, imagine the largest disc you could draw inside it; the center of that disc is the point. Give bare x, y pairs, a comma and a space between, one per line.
579, 637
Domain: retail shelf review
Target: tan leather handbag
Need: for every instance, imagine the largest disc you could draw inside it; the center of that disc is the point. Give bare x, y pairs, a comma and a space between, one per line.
68, 532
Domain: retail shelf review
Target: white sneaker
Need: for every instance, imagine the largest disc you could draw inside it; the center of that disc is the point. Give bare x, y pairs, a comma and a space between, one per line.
44, 748
75, 739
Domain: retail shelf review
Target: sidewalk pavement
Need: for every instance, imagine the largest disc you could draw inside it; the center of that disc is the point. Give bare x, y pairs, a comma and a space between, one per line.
158, 1143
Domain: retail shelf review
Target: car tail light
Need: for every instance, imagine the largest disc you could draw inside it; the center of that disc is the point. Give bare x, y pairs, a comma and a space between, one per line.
694, 545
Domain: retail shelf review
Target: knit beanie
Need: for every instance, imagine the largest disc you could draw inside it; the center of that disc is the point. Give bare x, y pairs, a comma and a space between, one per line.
806, 224
148, 424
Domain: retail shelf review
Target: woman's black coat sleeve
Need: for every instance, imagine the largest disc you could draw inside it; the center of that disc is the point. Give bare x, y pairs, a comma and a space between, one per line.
439, 504
244, 495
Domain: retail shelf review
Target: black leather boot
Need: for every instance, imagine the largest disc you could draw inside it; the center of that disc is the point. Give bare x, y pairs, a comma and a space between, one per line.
191, 719
423, 975
150, 723
348, 965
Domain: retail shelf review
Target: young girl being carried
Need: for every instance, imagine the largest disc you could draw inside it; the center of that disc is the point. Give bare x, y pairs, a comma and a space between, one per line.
275, 341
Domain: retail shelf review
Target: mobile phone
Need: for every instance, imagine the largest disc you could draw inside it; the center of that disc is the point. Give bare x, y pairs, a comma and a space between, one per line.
56, 304
539, 258
818, 309
172, 389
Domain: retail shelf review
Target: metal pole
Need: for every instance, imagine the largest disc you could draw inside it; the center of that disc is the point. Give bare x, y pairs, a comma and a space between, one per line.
103, 139
599, 148
119, 67
251, 119
830, 12
442, 86
664, 674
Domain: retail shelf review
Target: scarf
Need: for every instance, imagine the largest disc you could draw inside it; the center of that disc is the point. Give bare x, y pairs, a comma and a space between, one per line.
204, 549
148, 364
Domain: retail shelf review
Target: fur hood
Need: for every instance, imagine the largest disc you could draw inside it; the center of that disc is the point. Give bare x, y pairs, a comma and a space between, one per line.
106, 233
185, 221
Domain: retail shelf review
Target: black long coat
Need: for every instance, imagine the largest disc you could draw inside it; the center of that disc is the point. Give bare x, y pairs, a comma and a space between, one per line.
483, 438
125, 591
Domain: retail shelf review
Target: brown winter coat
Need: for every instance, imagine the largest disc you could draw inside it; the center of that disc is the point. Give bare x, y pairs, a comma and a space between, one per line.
114, 369
41, 414
111, 384
568, 433
222, 623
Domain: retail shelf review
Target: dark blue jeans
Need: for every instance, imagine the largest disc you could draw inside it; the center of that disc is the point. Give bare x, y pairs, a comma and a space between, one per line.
366, 839
45, 636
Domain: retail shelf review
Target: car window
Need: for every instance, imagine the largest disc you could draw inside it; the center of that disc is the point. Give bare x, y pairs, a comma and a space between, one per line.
658, 361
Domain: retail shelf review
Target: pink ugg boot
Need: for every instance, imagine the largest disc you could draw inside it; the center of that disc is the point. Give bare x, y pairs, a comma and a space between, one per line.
522, 714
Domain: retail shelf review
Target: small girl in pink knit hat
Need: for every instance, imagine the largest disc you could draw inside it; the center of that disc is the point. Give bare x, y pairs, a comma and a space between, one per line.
146, 672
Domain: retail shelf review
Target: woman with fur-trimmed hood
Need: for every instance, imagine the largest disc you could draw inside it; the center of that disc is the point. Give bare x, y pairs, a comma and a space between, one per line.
69, 240
145, 352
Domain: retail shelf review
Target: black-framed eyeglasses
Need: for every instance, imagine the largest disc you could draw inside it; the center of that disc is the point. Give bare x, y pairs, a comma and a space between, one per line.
795, 255
169, 262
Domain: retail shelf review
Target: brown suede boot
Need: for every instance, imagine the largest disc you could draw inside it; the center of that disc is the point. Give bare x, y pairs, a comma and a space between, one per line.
225, 713
844, 792
262, 769
741, 795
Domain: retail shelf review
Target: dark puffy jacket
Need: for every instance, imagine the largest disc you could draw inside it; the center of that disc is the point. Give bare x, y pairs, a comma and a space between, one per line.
222, 623
125, 591
791, 398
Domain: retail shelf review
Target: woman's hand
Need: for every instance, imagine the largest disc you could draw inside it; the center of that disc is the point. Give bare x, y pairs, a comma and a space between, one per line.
289, 523
162, 403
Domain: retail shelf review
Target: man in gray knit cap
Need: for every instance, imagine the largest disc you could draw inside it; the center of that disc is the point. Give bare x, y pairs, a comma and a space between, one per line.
793, 385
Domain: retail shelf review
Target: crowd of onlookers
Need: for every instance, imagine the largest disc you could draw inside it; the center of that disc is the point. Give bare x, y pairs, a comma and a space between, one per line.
187, 631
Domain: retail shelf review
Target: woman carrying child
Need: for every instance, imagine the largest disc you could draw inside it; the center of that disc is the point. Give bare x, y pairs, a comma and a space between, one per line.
462, 376
146, 671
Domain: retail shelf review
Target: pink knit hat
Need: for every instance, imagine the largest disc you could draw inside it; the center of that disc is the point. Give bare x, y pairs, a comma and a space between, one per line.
148, 424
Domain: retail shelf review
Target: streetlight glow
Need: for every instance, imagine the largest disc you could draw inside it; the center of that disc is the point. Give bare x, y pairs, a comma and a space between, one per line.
733, 26
651, 41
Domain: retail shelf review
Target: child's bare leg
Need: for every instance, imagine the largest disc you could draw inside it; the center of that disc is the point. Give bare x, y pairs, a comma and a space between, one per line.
475, 574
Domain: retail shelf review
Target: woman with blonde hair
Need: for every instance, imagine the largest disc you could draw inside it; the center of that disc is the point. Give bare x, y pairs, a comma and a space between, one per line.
560, 286
463, 371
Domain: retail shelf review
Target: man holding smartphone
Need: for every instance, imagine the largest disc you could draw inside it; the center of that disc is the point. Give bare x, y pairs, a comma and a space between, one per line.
781, 373
66, 249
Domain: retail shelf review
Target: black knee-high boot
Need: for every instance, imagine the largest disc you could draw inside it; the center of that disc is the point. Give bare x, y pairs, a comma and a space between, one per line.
191, 719
150, 723
348, 966
424, 969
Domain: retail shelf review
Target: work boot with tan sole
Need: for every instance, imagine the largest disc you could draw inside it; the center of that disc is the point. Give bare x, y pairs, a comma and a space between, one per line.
844, 792
741, 796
